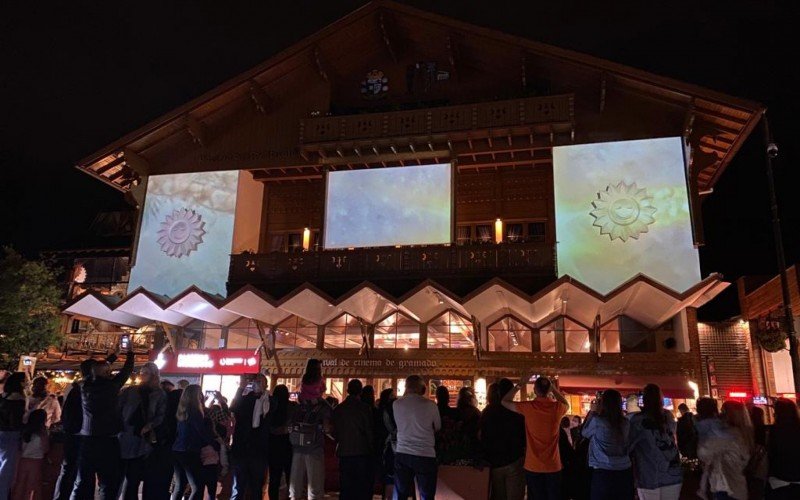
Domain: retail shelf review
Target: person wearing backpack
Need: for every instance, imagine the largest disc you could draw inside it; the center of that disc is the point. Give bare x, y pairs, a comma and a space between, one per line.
310, 424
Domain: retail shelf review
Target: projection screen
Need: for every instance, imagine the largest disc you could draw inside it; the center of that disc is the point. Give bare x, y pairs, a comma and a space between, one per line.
622, 208
388, 206
186, 233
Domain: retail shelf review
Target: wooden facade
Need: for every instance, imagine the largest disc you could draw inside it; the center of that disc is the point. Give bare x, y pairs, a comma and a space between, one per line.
494, 106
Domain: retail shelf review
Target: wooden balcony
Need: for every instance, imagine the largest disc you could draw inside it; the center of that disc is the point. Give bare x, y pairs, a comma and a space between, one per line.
529, 258
103, 342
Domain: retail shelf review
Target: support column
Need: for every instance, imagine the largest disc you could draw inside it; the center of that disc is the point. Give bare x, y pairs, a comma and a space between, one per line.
694, 348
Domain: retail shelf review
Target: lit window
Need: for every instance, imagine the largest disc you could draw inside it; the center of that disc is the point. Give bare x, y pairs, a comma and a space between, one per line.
450, 330
243, 335
509, 335
295, 331
513, 232
344, 332
609, 337
576, 337
397, 331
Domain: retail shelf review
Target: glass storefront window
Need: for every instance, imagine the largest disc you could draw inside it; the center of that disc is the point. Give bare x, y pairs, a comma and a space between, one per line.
575, 337
335, 387
396, 331
295, 331
509, 335
450, 330
609, 337
344, 332
243, 335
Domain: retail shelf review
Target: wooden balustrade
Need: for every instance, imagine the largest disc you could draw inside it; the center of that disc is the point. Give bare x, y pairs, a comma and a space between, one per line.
531, 258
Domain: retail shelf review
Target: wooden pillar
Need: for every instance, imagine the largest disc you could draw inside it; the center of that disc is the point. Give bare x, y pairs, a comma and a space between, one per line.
694, 347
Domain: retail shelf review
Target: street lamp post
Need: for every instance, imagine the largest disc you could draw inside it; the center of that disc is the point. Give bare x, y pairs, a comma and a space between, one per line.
794, 353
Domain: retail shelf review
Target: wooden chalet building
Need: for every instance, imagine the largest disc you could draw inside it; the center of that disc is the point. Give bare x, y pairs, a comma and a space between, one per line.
393, 86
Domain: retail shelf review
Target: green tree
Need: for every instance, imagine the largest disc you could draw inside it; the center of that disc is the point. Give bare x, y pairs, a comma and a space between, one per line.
29, 307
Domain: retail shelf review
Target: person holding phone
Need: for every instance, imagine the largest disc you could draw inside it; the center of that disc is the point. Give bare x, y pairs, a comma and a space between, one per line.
99, 429
542, 423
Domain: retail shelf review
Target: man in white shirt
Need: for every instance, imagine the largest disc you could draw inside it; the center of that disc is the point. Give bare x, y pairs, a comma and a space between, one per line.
417, 422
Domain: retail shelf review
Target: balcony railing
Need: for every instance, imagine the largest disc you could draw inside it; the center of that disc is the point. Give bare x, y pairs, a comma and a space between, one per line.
431, 121
530, 258
101, 342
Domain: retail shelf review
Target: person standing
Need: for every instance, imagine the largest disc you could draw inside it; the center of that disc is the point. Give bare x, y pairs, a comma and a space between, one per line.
193, 434
142, 408
310, 424
99, 451
352, 428
502, 435
659, 475
608, 432
250, 446
417, 420
686, 432
725, 456
542, 425
35, 445
783, 452
41, 399
280, 449
71, 422
632, 405
12, 410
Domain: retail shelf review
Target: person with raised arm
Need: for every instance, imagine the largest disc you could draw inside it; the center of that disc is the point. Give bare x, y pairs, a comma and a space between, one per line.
542, 423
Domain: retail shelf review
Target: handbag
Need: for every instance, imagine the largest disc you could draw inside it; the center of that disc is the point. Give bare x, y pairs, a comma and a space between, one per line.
304, 430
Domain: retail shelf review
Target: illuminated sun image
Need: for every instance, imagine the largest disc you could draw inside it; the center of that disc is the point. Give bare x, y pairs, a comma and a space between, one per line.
181, 233
623, 211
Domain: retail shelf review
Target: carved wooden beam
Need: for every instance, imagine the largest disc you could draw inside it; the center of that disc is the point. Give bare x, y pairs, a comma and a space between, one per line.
318, 63
262, 101
384, 26
453, 55
197, 130
136, 162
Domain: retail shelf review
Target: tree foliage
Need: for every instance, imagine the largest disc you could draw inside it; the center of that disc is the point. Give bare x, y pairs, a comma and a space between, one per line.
29, 307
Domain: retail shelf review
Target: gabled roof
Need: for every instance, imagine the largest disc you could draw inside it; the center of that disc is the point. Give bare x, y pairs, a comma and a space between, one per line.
717, 123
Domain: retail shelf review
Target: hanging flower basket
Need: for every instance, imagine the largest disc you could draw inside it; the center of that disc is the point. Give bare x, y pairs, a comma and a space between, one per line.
771, 340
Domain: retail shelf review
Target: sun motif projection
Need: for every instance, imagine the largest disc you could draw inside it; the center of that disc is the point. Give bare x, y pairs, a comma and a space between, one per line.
623, 211
181, 233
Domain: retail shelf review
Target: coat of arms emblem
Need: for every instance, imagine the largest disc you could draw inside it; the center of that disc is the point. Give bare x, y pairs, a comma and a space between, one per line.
375, 85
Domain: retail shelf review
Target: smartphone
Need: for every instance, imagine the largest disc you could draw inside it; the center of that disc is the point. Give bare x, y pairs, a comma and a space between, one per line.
125, 342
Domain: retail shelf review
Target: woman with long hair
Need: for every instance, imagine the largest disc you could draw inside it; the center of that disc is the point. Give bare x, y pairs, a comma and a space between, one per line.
608, 431
654, 449
35, 445
783, 451
280, 449
312, 385
192, 436
12, 409
143, 408
724, 456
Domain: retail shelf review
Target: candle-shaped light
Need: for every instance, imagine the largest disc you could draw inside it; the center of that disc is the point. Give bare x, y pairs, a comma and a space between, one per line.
306, 239
498, 231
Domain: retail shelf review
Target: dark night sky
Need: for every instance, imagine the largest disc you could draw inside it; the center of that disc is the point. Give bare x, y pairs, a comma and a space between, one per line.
75, 76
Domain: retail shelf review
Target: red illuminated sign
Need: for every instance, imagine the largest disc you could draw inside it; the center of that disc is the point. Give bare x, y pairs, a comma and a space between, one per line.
734, 394
218, 362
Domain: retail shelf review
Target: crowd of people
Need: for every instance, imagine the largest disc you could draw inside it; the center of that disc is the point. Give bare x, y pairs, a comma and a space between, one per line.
154, 440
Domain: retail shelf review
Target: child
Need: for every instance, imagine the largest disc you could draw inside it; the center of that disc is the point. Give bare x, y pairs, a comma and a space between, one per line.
313, 384
35, 445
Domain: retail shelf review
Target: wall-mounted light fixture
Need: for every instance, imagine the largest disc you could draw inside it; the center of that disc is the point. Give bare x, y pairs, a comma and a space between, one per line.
498, 230
306, 239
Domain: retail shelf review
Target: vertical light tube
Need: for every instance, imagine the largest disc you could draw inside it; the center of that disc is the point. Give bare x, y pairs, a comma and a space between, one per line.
306, 239
498, 231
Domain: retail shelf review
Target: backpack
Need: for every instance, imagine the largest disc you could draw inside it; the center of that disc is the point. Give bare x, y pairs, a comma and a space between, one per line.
306, 425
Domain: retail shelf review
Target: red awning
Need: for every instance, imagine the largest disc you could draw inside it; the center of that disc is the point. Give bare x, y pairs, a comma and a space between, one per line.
672, 386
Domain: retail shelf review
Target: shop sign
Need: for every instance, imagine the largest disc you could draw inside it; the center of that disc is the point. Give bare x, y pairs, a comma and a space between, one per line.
217, 362
391, 364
